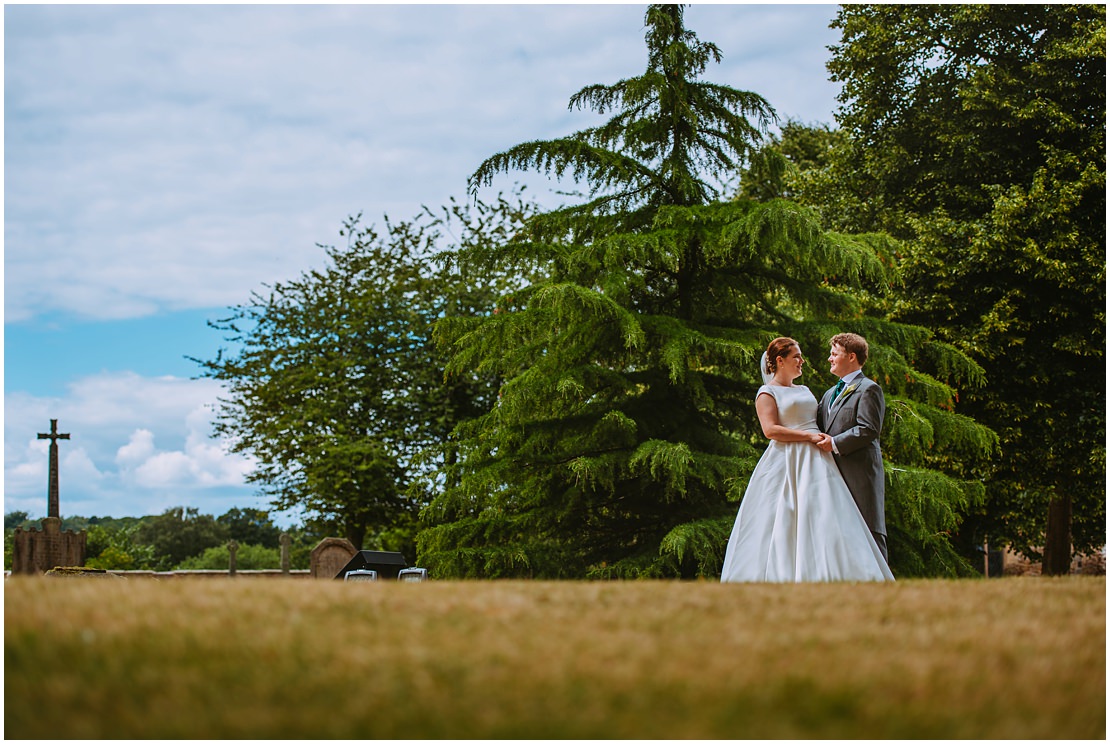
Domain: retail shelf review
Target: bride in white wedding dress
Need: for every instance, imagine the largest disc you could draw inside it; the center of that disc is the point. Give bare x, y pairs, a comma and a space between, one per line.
797, 520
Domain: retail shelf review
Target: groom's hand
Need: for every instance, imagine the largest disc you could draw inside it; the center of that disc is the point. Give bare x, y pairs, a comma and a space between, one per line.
824, 443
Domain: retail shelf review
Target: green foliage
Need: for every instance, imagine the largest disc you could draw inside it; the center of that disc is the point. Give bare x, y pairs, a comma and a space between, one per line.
113, 559
178, 533
791, 164
312, 392
161, 542
14, 519
701, 543
247, 558
976, 134
624, 425
104, 534
669, 132
336, 390
250, 527
117, 547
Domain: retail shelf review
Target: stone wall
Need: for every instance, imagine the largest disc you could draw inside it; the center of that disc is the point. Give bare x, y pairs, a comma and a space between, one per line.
269, 573
1014, 564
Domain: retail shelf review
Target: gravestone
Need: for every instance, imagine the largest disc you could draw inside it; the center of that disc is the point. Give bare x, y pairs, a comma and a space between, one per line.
330, 556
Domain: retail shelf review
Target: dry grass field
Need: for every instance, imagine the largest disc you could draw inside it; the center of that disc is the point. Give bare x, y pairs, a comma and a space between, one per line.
235, 658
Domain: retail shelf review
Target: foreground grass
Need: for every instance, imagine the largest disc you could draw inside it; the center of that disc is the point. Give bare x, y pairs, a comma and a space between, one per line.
235, 658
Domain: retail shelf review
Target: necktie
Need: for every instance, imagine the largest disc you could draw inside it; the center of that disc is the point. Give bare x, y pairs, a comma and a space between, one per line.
837, 389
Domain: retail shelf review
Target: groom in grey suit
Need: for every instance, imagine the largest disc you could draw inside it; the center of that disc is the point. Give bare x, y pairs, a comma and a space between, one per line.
851, 413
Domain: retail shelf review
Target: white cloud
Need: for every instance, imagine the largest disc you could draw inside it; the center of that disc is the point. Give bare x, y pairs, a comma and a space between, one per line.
162, 158
165, 469
138, 446
177, 157
79, 468
27, 472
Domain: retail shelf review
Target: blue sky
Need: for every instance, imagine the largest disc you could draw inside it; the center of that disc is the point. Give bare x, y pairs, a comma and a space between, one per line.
162, 162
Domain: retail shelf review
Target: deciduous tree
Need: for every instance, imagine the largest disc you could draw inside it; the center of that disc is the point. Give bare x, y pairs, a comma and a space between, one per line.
250, 527
177, 534
334, 386
976, 135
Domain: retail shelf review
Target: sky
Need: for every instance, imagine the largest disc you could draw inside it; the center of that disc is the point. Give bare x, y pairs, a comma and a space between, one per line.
163, 162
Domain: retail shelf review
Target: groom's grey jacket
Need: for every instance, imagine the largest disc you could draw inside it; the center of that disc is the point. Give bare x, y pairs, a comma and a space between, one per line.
855, 422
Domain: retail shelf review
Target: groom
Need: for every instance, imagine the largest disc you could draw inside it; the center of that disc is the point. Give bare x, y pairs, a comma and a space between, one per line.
851, 413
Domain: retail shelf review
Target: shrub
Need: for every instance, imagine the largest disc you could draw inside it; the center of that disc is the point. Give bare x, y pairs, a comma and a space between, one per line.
249, 557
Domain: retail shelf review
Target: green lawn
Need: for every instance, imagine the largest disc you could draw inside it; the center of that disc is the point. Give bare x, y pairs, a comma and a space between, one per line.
281, 658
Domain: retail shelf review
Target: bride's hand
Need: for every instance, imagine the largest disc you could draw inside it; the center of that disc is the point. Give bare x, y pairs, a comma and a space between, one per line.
824, 443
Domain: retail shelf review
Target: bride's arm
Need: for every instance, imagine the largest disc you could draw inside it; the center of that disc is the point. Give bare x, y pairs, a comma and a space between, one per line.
768, 412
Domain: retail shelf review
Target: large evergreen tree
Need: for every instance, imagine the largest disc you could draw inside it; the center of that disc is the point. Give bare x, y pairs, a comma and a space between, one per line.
625, 429
976, 135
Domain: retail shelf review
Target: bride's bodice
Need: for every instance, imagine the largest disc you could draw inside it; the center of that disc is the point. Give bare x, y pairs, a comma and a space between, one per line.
797, 406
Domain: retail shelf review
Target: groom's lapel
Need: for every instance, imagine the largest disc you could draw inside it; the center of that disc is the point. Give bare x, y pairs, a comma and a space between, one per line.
852, 388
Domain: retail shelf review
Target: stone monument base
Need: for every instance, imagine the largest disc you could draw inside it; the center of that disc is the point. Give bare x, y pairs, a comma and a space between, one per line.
38, 551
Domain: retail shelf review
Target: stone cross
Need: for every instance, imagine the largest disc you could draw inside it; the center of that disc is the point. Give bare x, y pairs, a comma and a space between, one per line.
52, 507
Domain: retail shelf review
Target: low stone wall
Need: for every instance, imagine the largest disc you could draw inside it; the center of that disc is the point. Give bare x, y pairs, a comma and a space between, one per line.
1014, 564
269, 573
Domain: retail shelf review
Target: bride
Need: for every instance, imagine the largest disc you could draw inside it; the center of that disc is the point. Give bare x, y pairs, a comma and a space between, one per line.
797, 521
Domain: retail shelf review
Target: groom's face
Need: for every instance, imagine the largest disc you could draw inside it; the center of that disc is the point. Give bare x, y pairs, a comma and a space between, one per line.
841, 362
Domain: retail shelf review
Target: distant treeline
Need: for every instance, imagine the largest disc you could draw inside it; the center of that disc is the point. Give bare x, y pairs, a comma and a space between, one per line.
181, 538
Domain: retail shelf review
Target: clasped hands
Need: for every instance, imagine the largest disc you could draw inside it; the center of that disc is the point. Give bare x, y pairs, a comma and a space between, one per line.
823, 442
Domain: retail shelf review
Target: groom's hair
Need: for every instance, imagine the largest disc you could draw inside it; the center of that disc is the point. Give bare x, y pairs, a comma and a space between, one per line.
853, 343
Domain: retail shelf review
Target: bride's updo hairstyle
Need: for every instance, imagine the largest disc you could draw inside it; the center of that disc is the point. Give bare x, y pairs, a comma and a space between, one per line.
780, 347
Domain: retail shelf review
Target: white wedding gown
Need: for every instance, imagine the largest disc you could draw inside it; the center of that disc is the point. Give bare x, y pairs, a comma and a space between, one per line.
797, 521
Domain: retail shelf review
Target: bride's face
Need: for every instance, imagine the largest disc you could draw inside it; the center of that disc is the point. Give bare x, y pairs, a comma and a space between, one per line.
792, 363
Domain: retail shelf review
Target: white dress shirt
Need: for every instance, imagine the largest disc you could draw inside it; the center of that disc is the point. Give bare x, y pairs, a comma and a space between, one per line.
847, 381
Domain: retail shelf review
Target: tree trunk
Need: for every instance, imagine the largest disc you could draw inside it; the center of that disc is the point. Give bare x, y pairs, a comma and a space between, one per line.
356, 533
687, 275
1057, 538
